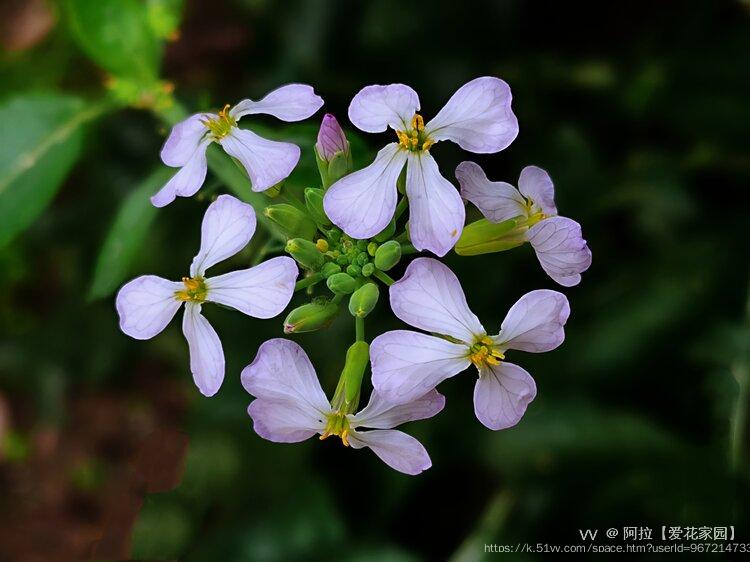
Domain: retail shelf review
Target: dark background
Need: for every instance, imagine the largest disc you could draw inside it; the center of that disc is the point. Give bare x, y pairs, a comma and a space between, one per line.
639, 111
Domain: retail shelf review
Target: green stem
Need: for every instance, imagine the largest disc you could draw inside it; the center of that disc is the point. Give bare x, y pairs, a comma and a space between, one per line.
740, 369
407, 249
384, 277
403, 238
401, 207
308, 281
359, 326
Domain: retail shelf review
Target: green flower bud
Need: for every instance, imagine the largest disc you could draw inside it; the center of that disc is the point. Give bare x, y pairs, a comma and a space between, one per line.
354, 270
330, 269
350, 382
372, 247
364, 299
306, 253
362, 259
361, 245
341, 284
387, 233
292, 222
388, 255
485, 237
368, 269
314, 204
334, 235
343, 261
310, 317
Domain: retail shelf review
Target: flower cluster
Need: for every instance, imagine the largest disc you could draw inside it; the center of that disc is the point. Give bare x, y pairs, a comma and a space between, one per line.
346, 236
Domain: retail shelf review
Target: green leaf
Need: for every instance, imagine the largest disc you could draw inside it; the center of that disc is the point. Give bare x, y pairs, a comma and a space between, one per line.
42, 138
117, 35
125, 237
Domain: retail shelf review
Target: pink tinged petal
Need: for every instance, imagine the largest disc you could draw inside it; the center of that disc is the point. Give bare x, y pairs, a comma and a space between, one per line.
187, 181
282, 371
266, 162
362, 203
284, 421
535, 184
478, 117
429, 296
375, 108
436, 211
331, 138
184, 138
146, 305
383, 414
293, 102
227, 227
206, 353
262, 291
502, 394
561, 249
535, 323
406, 365
498, 201
398, 450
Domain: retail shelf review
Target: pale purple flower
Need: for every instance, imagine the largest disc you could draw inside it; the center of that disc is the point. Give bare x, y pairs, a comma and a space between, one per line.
266, 162
148, 303
478, 117
331, 138
291, 407
407, 364
557, 241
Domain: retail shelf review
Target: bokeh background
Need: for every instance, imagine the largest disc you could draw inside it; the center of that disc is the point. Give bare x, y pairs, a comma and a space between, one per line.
639, 111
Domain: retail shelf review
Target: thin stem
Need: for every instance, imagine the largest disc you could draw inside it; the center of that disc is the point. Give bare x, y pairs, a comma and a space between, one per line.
384, 277
403, 238
401, 207
359, 326
740, 369
407, 249
308, 281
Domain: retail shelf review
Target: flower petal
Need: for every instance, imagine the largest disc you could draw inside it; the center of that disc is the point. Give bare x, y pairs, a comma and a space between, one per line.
407, 365
362, 203
266, 162
281, 371
293, 102
383, 414
262, 291
146, 305
187, 181
535, 323
502, 394
184, 139
227, 227
436, 211
497, 200
478, 117
206, 353
561, 249
283, 421
398, 450
536, 184
429, 296
375, 108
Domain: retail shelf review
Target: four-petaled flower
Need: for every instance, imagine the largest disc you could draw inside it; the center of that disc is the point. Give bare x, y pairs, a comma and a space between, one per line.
478, 117
557, 241
407, 364
147, 304
266, 162
291, 406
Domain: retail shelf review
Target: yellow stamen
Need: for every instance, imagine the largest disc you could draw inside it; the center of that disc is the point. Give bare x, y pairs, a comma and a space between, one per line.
322, 245
222, 125
195, 290
484, 353
414, 138
338, 424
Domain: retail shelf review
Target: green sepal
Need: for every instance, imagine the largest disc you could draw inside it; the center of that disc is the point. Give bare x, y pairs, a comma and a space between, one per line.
363, 300
292, 222
341, 284
314, 204
305, 253
310, 317
485, 237
387, 233
388, 255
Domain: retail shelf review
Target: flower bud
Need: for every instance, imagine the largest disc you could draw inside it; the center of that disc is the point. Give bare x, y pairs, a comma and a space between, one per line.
368, 269
387, 255
332, 151
314, 204
357, 359
353, 270
485, 237
310, 317
364, 299
387, 233
341, 284
305, 253
330, 269
291, 221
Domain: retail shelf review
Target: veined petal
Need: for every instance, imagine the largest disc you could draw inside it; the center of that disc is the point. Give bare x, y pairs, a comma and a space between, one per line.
429, 296
383, 414
375, 108
536, 184
262, 291
266, 162
407, 365
561, 249
283, 421
187, 181
502, 394
436, 212
293, 102
227, 227
206, 353
146, 305
478, 117
282, 371
497, 200
398, 450
362, 203
535, 323
184, 138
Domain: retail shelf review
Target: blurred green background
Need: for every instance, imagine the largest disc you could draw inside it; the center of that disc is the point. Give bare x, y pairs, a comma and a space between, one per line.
638, 110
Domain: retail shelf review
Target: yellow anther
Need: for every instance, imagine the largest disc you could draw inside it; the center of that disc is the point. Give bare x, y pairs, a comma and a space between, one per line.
417, 122
338, 424
195, 290
414, 139
222, 125
322, 245
224, 113
484, 353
